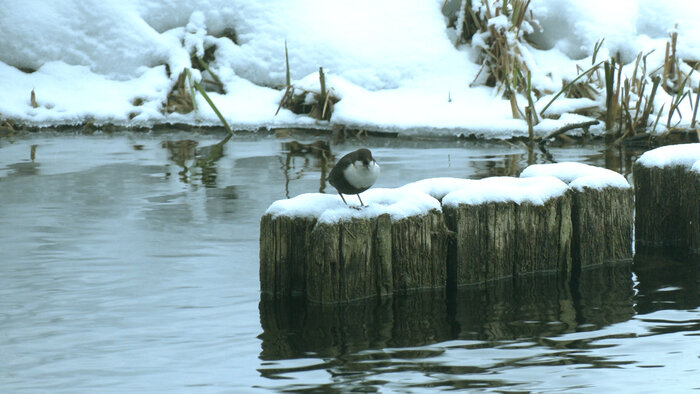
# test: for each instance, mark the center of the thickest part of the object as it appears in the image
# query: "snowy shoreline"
(404, 73)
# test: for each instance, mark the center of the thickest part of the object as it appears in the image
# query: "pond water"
(120, 271)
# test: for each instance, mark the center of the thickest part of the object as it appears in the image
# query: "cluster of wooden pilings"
(445, 232)
(667, 198)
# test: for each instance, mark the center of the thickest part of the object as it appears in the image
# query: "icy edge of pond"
(578, 175)
(685, 155)
(328, 208)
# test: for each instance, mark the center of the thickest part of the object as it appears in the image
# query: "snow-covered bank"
(394, 65)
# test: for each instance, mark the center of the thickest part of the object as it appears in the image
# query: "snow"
(575, 26)
(397, 203)
(439, 187)
(419, 198)
(579, 175)
(535, 190)
(393, 63)
(685, 155)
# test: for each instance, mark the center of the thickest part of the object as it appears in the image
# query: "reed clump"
(315, 104)
(498, 28)
(629, 93)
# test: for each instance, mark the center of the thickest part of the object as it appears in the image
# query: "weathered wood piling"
(340, 254)
(602, 211)
(508, 227)
(667, 194)
(361, 258)
(440, 232)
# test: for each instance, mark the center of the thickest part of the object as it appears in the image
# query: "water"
(120, 272)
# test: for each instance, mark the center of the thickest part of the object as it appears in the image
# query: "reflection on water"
(299, 157)
(461, 340)
(538, 305)
(186, 155)
(667, 281)
(130, 261)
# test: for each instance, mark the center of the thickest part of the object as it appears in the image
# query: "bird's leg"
(361, 203)
(341, 196)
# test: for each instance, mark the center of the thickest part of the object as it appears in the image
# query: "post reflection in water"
(667, 280)
(315, 155)
(529, 307)
(186, 155)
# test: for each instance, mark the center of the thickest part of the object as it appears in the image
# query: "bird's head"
(365, 157)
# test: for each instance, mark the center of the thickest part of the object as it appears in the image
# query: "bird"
(354, 173)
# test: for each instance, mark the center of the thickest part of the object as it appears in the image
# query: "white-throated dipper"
(354, 173)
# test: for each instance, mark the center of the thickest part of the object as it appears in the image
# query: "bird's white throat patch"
(360, 176)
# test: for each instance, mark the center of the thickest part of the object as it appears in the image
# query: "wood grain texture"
(667, 208)
(503, 239)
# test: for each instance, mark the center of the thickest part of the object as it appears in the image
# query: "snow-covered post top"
(439, 187)
(684, 155)
(579, 175)
(329, 208)
(535, 190)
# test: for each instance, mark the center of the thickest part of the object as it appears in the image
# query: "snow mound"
(327, 208)
(439, 187)
(686, 155)
(574, 26)
(536, 190)
(579, 175)
(393, 63)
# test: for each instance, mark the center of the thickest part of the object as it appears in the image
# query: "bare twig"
(572, 126)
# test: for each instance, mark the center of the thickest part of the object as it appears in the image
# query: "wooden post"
(499, 239)
(502, 239)
(362, 258)
(356, 257)
(419, 252)
(603, 223)
(602, 211)
(342, 263)
(283, 242)
(667, 207)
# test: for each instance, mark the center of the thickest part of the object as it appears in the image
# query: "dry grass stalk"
(289, 90)
(215, 81)
(649, 106)
(213, 107)
(670, 78)
(695, 110)
(610, 96)
(32, 100)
